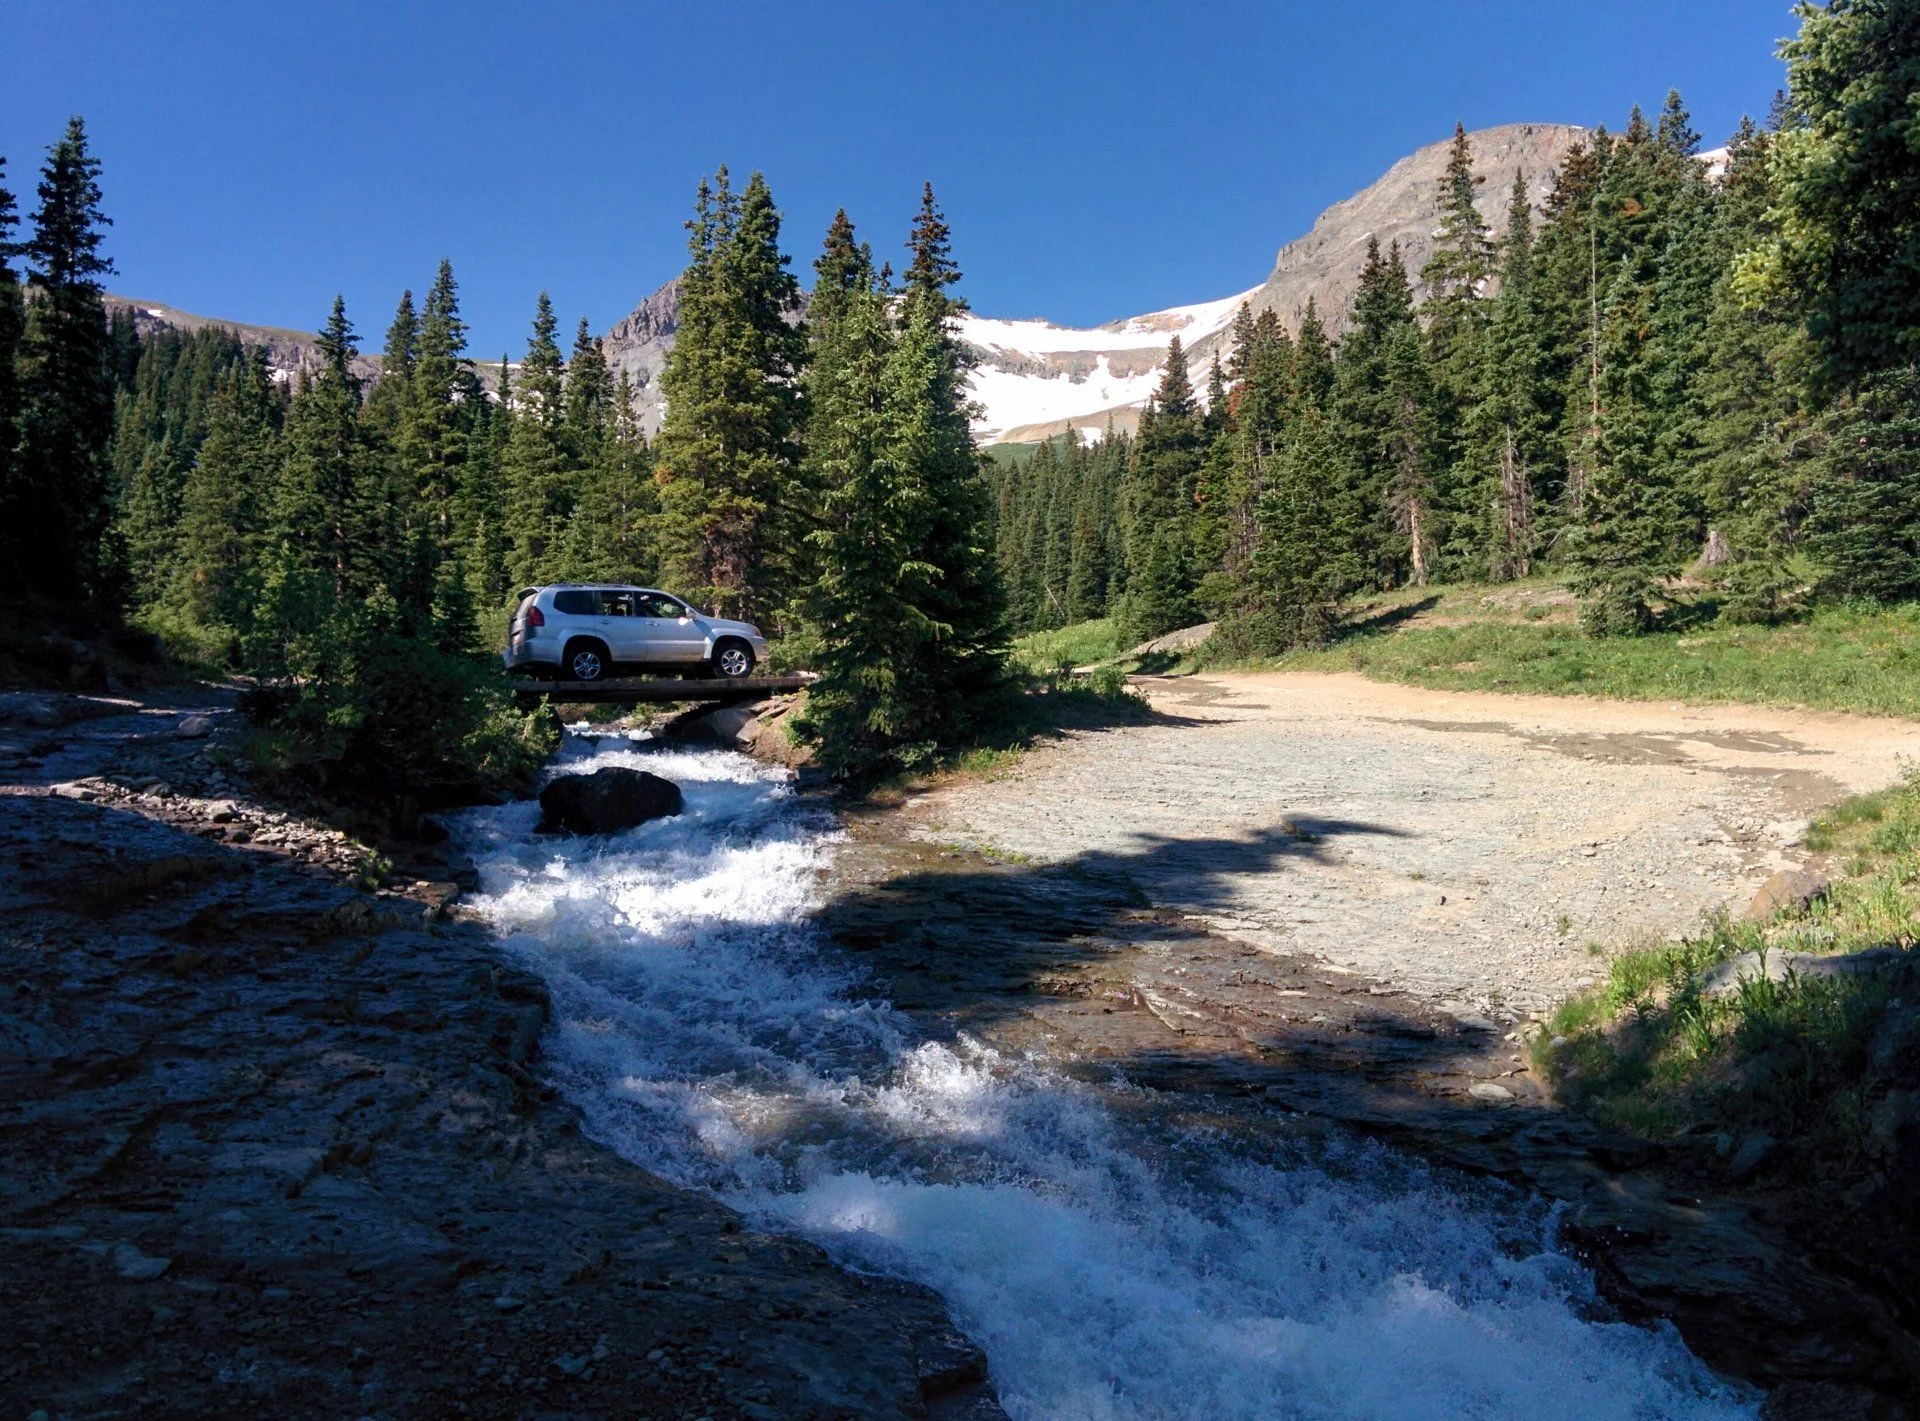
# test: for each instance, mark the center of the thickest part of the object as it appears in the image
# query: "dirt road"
(1469, 848)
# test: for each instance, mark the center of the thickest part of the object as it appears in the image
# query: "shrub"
(387, 723)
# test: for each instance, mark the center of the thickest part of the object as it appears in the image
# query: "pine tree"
(1302, 567)
(589, 411)
(1849, 189)
(1756, 431)
(326, 549)
(1382, 419)
(482, 503)
(616, 502)
(727, 453)
(1567, 284)
(1456, 277)
(1512, 427)
(969, 656)
(215, 575)
(445, 420)
(388, 404)
(13, 316)
(1617, 550)
(867, 605)
(1159, 505)
(1867, 490)
(1412, 441)
(61, 499)
(535, 488)
(1247, 461)
(160, 418)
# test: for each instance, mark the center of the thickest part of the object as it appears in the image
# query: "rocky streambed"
(764, 1108)
(276, 1145)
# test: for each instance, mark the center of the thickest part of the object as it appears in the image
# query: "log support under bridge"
(631, 691)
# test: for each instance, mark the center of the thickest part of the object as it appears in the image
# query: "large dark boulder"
(607, 801)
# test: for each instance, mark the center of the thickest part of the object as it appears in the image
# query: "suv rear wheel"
(732, 660)
(586, 661)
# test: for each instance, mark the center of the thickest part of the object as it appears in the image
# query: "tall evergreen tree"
(1159, 506)
(445, 445)
(215, 575)
(535, 488)
(13, 317)
(1512, 430)
(60, 489)
(1756, 434)
(1849, 189)
(867, 605)
(326, 550)
(1456, 277)
(1383, 420)
(389, 403)
(728, 451)
(1867, 490)
(589, 412)
(967, 600)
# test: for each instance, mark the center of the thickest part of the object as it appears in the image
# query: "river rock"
(607, 801)
(1790, 889)
(1753, 1153)
(1726, 978)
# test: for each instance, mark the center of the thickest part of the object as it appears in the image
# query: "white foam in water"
(1114, 1263)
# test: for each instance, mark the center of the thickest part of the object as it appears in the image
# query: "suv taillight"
(536, 617)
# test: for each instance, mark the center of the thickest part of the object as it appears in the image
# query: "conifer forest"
(1668, 368)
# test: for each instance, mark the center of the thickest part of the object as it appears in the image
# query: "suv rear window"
(577, 602)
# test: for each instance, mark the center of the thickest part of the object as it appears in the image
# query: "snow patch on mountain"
(1032, 374)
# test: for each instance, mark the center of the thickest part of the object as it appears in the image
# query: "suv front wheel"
(586, 661)
(732, 660)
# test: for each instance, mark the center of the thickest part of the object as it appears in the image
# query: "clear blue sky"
(1094, 160)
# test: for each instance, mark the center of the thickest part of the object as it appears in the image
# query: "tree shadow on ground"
(1384, 620)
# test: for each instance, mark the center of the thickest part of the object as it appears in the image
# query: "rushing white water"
(1113, 1257)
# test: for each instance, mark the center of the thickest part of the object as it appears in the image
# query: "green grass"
(1648, 1051)
(1082, 644)
(1838, 659)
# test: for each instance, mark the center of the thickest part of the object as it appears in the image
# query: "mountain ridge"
(1034, 379)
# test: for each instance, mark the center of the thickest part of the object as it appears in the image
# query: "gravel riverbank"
(1464, 847)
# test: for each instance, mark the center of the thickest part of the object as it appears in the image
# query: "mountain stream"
(1115, 1253)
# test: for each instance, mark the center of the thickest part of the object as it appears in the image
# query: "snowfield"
(1014, 396)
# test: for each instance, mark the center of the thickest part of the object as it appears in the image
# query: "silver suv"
(582, 631)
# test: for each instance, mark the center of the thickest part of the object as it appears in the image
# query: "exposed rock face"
(1403, 206)
(638, 344)
(608, 800)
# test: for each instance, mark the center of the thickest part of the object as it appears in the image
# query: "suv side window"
(576, 602)
(656, 604)
(616, 604)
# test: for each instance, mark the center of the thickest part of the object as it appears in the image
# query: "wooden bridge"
(632, 691)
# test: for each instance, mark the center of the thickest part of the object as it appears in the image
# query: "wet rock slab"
(277, 1147)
